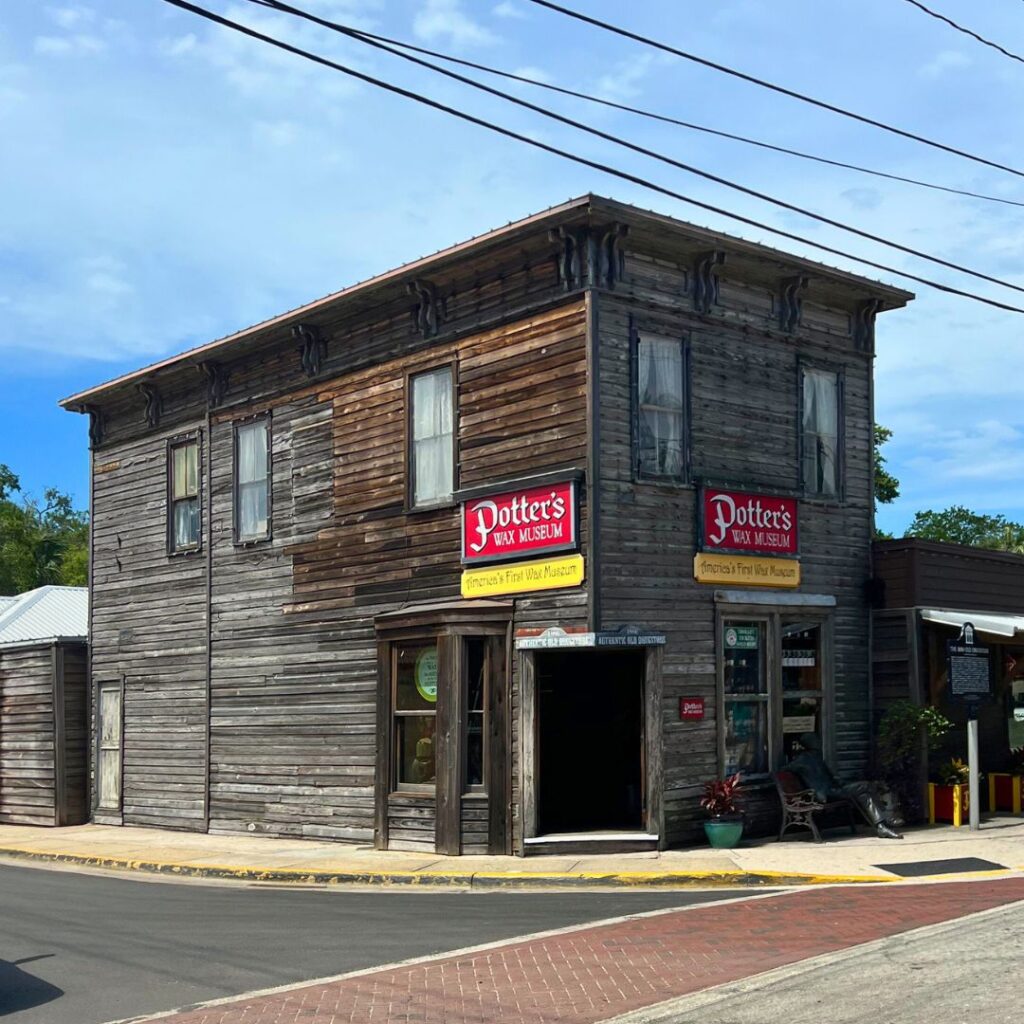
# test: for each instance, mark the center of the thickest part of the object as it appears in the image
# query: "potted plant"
(948, 798)
(1004, 788)
(906, 732)
(721, 801)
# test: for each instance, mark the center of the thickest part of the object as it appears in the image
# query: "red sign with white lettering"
(691, 709)
(521, 523)
(751, 523)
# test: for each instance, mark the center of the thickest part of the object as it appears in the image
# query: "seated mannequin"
(816, 774)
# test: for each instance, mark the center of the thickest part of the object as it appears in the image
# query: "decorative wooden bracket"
(216, 375)
(864, 324)
(430, 311)
(792, 309)
(589, 257)
(705, 280)
(154, 403)
(97, 424)
(314, 347)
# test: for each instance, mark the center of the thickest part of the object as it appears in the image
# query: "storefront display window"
(746, 696)
(774, 685)
(415, 714)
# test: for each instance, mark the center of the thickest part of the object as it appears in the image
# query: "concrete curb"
(462, 879)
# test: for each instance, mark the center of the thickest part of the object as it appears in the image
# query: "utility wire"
(575, 158)
(966, 31)
(357, 34)
(792, 93)
(666, 119)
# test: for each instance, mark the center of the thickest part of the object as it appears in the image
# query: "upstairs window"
(819, 437)
(252, 480)
(183, 507)
(432, 441)
(660, 408)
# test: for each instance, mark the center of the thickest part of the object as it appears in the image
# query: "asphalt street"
(83, 948)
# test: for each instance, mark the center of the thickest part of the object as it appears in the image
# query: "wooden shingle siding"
(27, 764)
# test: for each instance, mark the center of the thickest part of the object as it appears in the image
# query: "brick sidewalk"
(594, 973)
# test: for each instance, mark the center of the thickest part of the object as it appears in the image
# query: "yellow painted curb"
(634, 879)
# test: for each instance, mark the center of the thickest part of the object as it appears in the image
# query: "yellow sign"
(520, 577)
(747, 570)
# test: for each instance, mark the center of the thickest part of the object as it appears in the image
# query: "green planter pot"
(724, 833)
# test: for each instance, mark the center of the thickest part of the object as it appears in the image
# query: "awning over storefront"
(984, 622)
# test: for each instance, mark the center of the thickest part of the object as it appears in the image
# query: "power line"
(346, 30)
(666, 119)
(575, 158)
(966, 31)
(792, 93)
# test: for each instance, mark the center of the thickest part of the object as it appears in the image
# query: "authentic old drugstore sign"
(522, 523)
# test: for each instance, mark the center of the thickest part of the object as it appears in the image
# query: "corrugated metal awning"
(984, 622)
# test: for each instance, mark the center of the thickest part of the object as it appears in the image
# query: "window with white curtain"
(183, 503)
(819, 438)
(660, 408)
(252, 480)
(433, 469)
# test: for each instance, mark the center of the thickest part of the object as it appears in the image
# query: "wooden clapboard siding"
(149, 629)
(744, 407)
(27, 737)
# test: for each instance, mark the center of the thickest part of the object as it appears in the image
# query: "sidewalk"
(798, 861)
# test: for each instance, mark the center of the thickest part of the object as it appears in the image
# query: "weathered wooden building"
(508, 549)
(44, 729)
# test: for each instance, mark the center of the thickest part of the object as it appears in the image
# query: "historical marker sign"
(970, 669)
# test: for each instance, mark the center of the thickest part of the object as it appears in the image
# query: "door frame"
(529, 723)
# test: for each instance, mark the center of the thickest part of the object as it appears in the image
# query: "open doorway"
(590, 740)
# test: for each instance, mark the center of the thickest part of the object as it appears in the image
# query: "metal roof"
(46, 613)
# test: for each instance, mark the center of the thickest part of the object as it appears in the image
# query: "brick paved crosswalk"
(596, 972)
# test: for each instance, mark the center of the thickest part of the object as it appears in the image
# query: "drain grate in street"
(953, 866)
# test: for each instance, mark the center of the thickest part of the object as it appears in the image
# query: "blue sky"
(163, 182)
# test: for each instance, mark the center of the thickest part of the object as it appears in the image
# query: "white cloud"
(445, 19)
(180, 46)
(534, 74)
(623, 81)
(275, 133)
(508, 9)
(70, 17)
(64, 46)
(943, 62)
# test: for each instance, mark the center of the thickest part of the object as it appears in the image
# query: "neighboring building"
(298, 640)
(44, 729)
(926, 592)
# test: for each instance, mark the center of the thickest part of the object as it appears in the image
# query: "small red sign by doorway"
(691, 709)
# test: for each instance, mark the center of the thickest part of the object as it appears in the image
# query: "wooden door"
(108, 768)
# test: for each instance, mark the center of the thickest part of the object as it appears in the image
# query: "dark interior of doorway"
(590, 741)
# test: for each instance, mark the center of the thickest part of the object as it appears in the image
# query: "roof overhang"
(992, 623)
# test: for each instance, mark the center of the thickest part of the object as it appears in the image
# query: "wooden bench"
(800, 806)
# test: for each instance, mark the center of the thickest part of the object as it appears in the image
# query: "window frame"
(773, 617)
(451, 365)
(394, 785)
(173, 444)
(804, 365)
(685, 477)
(483, 787)
(236, 492)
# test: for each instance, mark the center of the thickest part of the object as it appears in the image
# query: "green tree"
(959, 525)
(887, 487)
(40, 543)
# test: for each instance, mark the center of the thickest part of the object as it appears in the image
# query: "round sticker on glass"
(426, 674)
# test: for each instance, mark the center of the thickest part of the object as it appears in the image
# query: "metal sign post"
(969, 670)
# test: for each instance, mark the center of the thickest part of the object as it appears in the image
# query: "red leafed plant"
(721, 796)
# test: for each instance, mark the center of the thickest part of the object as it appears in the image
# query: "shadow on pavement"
(20, 990)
